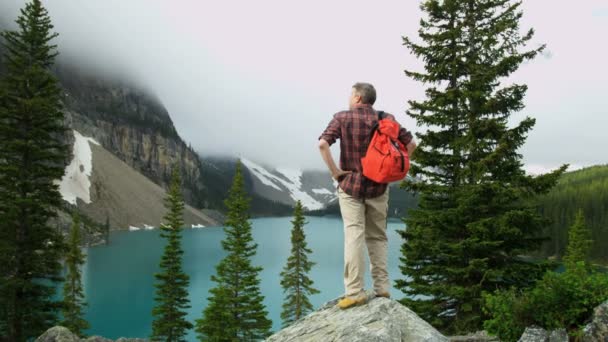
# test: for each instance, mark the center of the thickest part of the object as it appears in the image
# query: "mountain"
(313, 188)
(271, 192)
(133, 125)
(277, 188)
(127, 127)
(103, 187)
(400, 202)
(127, 120)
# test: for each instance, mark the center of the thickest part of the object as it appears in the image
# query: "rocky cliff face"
(132, 125)
(126, 198)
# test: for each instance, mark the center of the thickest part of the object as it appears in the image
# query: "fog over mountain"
(262, 79)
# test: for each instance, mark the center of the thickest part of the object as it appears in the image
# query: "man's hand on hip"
(329, 160)
(339, 173)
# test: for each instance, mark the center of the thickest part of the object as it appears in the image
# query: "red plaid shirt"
(353, 128)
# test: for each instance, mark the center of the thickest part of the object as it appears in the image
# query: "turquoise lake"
(118, 278)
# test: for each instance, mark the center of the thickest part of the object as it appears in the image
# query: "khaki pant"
(364, 222)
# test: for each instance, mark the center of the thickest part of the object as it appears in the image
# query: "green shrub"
(558, 300)
(508, 310)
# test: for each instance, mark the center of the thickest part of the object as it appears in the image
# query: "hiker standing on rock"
(363, 202)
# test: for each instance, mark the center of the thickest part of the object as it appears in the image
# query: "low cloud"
(263, 79)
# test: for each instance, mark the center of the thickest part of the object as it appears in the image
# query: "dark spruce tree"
(170, 322)
(477, 214)
(235, 309)
(73, 296)
(579, 242)
(294, 277)
(32, 156)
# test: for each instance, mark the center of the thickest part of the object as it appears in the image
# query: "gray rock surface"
(63, 334)
(536, 334)
(480, 336)
(58, 334)
(597, 330)
(381, 319)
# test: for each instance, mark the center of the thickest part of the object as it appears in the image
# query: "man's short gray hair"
(366, 91)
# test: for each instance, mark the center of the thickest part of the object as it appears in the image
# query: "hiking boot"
(350, 301)
(383, 294)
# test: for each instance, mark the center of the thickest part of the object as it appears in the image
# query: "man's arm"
(326, 139)
(408, 141)
(329, 160)
(405, 136)
(411, 147)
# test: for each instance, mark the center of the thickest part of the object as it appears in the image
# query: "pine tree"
(579, 242)
(477, 214)
(170, 323)
(32, 156)
(235, 311)
(294, 278)
(73, 296)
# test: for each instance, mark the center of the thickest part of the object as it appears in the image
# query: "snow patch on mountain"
(75, 182)
(284, 179)
(264, 176)
(295, 186)
(322, 191)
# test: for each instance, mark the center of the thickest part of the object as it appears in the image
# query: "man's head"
(362, 93)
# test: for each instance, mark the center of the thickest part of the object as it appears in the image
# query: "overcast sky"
(261, 79)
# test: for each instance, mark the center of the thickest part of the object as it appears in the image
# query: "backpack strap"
(375, 127)
(369, 140)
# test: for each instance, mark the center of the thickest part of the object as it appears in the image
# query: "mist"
(261, 80)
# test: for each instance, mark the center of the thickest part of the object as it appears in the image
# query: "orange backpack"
(386, 159)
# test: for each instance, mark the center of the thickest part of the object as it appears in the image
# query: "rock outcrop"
(480, 336)
(597, 330)
(381, 319)
(63, 334)
(536, 334)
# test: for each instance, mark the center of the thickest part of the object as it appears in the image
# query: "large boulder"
(480, 336)
(63, 334)
(381, 319)
(597, 330)
(58, 334)
(536, 334)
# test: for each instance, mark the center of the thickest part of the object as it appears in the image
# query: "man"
(363, 202)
